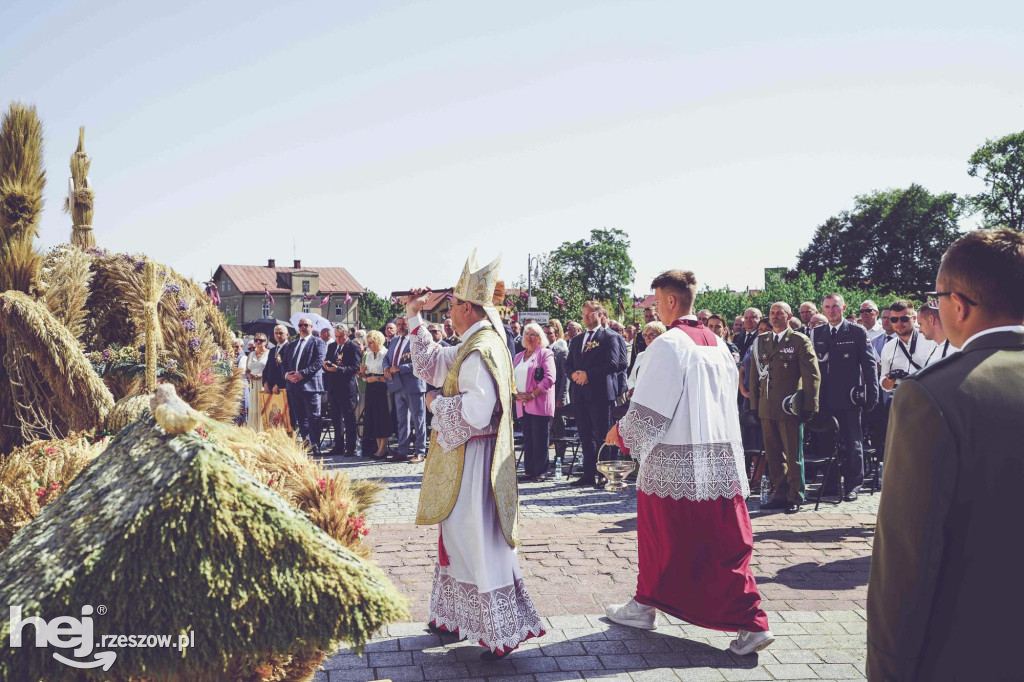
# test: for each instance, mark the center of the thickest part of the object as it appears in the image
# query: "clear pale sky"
(391, 137)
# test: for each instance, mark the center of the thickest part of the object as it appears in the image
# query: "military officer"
(942, 593)
(847, 362)
(784, 365)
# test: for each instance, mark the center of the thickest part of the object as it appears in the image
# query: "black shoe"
(490, 656)
(600, 482)
(850, 496)
(582, 481)
(774, 503)
(792, 508)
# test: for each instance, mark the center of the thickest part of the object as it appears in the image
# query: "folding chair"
(823, 449)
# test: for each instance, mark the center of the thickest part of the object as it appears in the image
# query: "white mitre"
(477, 285)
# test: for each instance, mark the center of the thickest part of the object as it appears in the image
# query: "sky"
(390, 138)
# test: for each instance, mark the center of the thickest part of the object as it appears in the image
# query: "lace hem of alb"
(501, 619)
(451, 428)
(641, 429)
(697, 472)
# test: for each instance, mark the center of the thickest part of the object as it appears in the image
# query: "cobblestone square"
(579, 555)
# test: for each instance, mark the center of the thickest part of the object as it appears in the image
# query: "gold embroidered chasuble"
(442, 474)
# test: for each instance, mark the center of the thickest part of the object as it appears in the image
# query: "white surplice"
(480, 593)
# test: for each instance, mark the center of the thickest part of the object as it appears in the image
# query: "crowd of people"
(688, 396)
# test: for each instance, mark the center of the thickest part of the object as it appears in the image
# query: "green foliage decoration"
(172, 535)
(376, 311)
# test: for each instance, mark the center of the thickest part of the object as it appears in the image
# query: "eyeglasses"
(904, 318)
(260, 340)
(864, 311)
(936, 294)
(303, 324)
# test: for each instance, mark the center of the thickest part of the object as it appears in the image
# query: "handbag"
(538, 373)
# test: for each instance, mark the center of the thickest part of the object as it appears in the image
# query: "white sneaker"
(633, 614)
(749, 642)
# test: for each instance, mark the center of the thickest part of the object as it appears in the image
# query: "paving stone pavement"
(578, 555)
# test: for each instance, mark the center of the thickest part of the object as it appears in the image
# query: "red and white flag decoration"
(326, 301)
(348, 298)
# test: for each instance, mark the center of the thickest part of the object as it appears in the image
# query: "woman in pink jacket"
(534, 372)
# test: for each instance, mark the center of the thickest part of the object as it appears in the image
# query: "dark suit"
(561, 397)
(639, 346)
(846, 361)
(510, 341)
(407, 390)
(592, 403)
(306, 358)
(942, 593)
(343, 392)
(273, 375)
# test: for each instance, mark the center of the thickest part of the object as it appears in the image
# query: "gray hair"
(534, 327)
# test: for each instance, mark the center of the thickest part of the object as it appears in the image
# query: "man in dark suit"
(942, 592)
(340, 367)
(273, 374)
(847, 361)
(408, 392)
(745, 339)
(303, 361)
(594, 360)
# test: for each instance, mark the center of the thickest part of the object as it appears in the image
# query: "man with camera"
(906, 353)
(849, 382)
(784, 392)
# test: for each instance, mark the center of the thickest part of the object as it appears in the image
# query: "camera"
(898, 374)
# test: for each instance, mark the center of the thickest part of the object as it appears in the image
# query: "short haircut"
(810, 303)
(655, 326)
(871, 304)
(682, 283)
(902, 304)
(988, 267)
(557, 326)
(838, 297)
(756, 311)
(282, 328)
(716, 316)
(340, 328)
(929, 312)
(534, 327)
(784, 306)
(794, 323)
(375, 336)
(593, 305)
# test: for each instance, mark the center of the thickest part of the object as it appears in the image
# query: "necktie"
(778, 338)
(834, 331)
(398, 351)
(298, 354)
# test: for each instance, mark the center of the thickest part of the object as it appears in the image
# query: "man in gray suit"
(942, 593)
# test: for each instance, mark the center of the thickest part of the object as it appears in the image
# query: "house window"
(229, 285)
(339, 310)
(236, 311)
(266, 308)
(305, 306)
(305, 287)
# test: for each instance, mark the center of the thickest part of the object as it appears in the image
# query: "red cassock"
(693, 530)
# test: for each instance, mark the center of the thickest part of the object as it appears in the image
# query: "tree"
(892, 240)
(1000, 165)
(601, 266)
(376, 311)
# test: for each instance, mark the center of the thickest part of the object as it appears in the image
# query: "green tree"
(599, 267)
(376, 311)
(794, 291)
(892, 240)
(1000, 165)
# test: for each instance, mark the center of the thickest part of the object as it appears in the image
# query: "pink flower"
(54, 485)
(41, 493)
(270, 482)
(51, 450)
(322, 482)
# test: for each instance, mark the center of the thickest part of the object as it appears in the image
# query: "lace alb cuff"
(424, 354)
(641, 429)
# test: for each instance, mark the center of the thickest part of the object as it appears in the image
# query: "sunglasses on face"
(904, 318)
(260, 340)
(302, 324)
(867, 311)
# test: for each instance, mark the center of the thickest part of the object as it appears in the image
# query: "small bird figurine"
(172, 413)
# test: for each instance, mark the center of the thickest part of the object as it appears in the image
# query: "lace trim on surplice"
(501, 618)
(697, 472)
(451, 428)
(641, 429)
